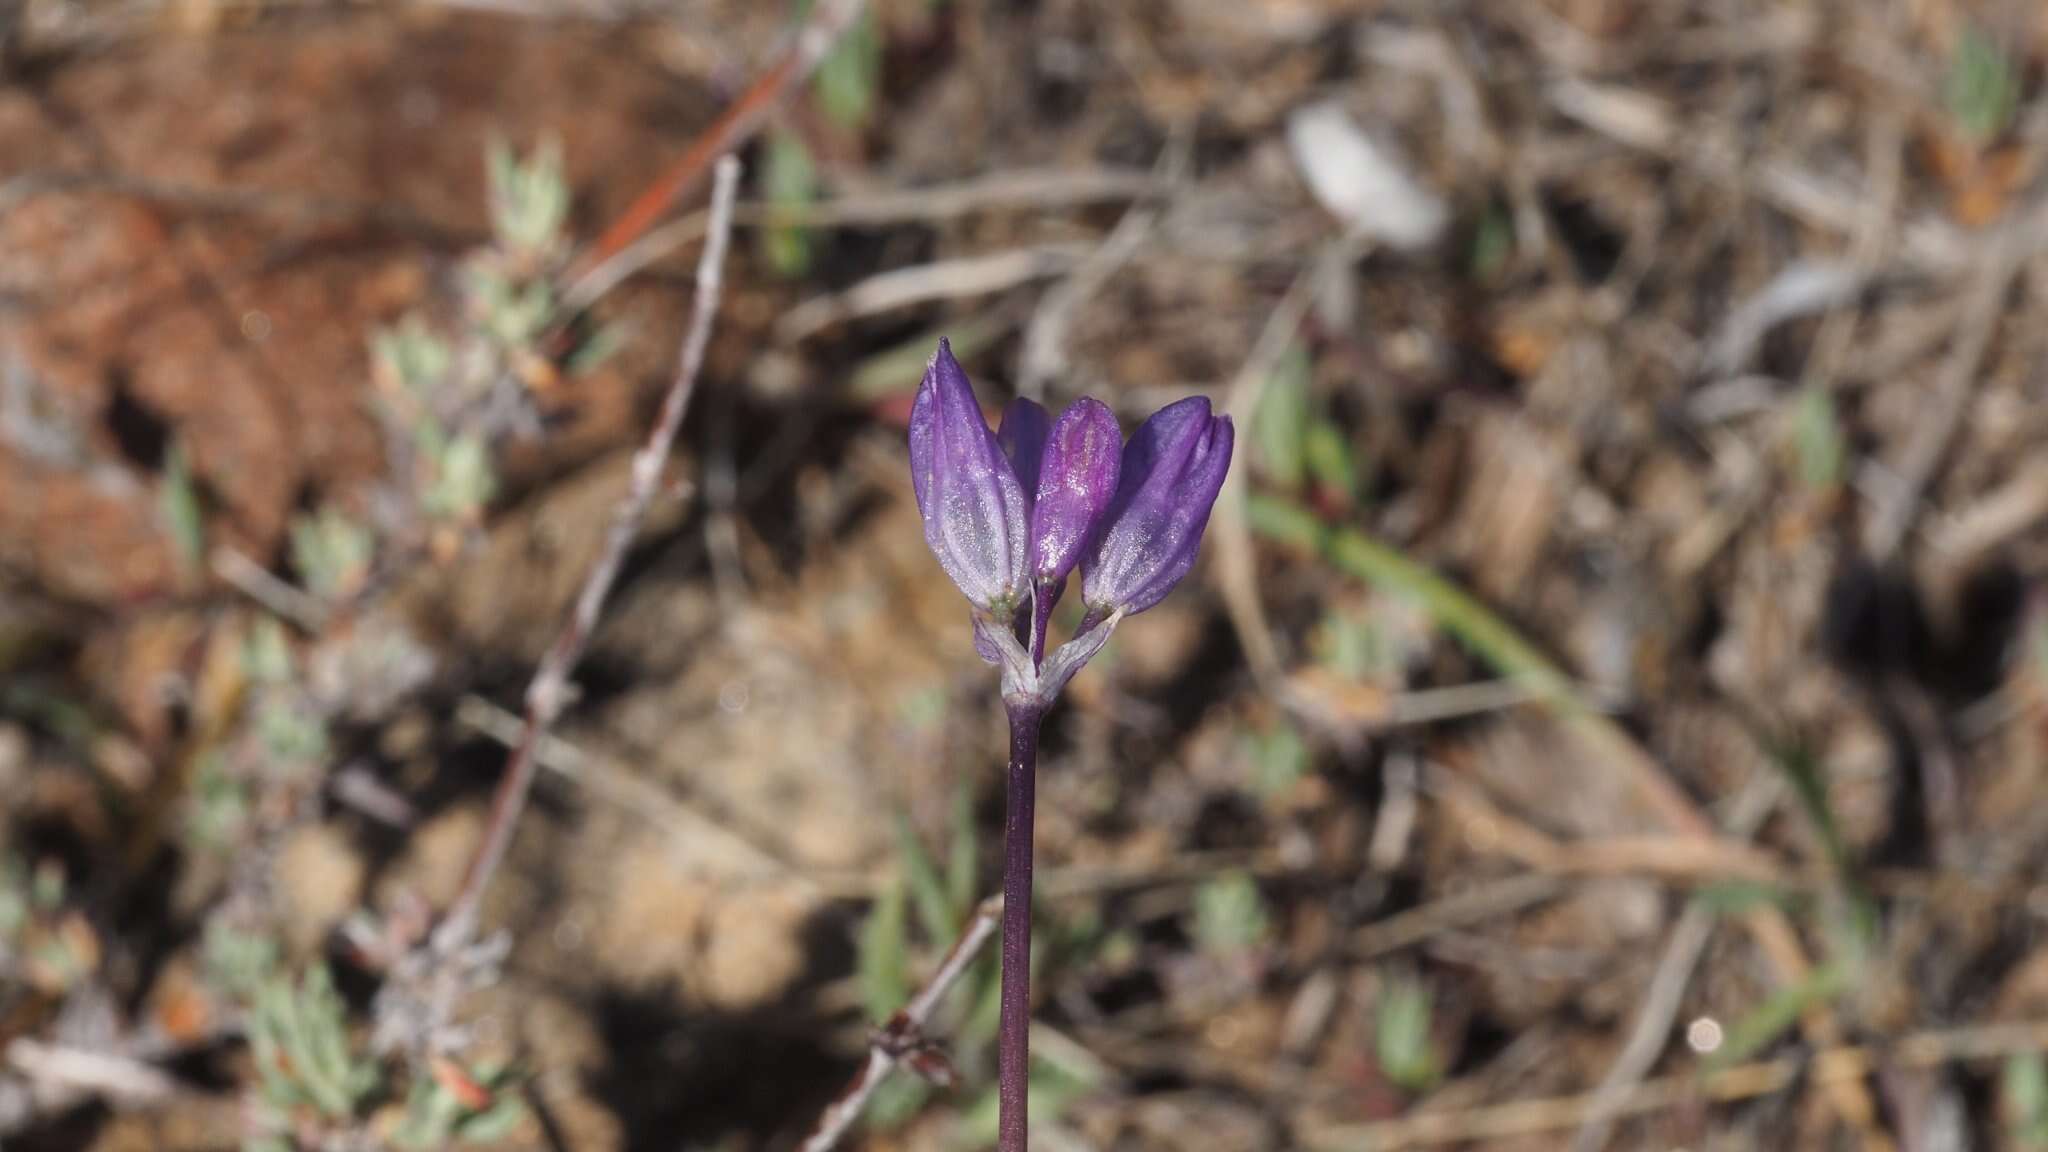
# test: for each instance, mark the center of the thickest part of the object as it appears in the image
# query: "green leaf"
(963, 863)
(1810, 786)
(1777, 1015)
(1053, 1089)
(331, 552)
(1402, 1034)
(430, 1115)
(1281, 423)
(1820, 446)
(464, 479)
(412, 357)
(1327, 455)
(1286, 522)
(898, 369)
(935, 912)
(1230, 915)
(494, 1123)
(183, 517)
(267, 653)
(1982, 87)
(1280, 758)
(1493, 243)
(299, 1035)
(985, 1013)
(217, 810)
(884, 954)
(898, 1099)
(2024, 1083)
(593, 350)
(1349, 643)
(14, 897)
(530, 200)
(790, 180)
(239, 962)
(849, 75)
(1734, 897)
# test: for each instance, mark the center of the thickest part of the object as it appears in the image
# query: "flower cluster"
(1010, 513)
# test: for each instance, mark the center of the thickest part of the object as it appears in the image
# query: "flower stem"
(1013, 1044)
(1041, 618)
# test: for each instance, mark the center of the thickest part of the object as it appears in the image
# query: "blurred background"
(1607, 715)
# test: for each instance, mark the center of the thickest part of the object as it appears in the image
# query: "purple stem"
(1041, 619)
(1013, 1042)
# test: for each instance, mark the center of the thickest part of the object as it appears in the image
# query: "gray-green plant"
(1403, 1034)
(1230, 915)
(436, 1116)
(331, 551)
(298, 1034)
(1982, 86)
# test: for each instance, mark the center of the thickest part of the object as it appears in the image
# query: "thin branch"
(549, 691)
(902, 1035)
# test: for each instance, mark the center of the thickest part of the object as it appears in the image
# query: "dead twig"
(1703, 859)
(940, 280)
(902, 1037)
(1044, 355)
(279, 597)
(1900, 501)
(549, 691)
(1407, 929)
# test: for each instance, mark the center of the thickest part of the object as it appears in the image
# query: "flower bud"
(976, 513)
(1076, 482)
(1172, 470)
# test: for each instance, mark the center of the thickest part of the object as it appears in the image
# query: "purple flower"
(1172, 470)
(1009, 514)
(976, 512)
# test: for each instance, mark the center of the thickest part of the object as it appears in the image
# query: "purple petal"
(1076, 484)
(975, 512)
(1172, 471)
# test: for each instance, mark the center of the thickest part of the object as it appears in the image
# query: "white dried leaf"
(1361, 181)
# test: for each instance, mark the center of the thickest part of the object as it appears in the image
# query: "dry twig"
(549, 691)
(902, 1036)
(940, 280)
